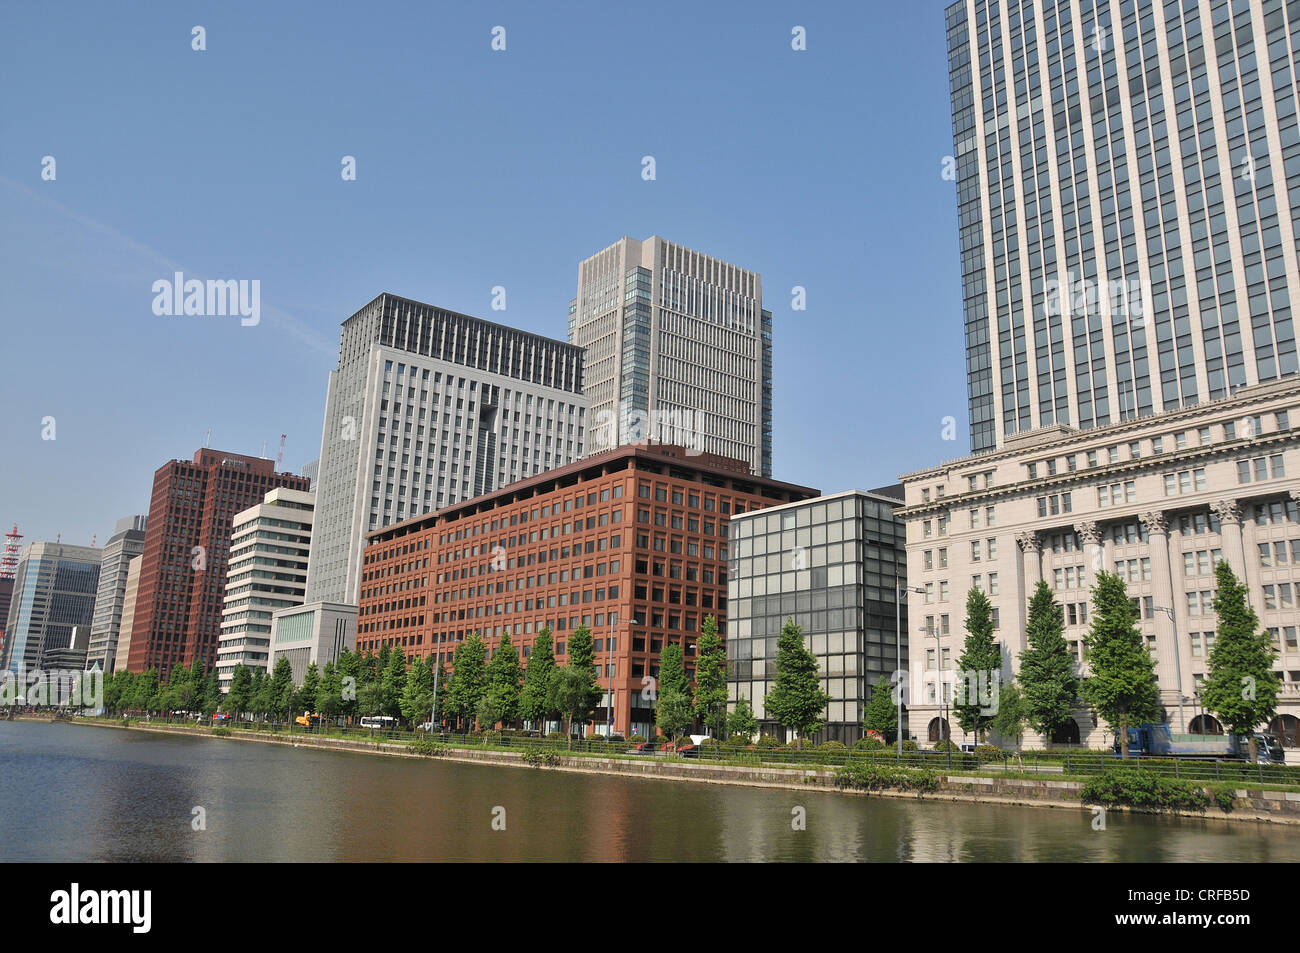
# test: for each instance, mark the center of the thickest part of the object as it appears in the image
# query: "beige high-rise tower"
(678, 350)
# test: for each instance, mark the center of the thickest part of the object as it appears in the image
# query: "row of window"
(1247, 427)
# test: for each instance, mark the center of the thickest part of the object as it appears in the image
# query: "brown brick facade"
(186, 550)
(632, 543)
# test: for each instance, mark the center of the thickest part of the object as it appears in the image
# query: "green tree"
(534, 704)
(259, 694)
(673, 712)
(329, 694)
(349, 674)
(1049, 686)
(574, 691)
(711, 677)
(280, 690)
(570, 694)
(1241, 687)
(882, 711)
(741, 721)
(468, 680)
(304, 699)
(979, 668)
(391, 683)
(181, 691)
(417, 694)
(1012, 716)
(796, 699)
(1121, 684)
(144, 690)
(503, 675)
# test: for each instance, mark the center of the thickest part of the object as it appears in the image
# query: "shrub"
(126, 722)
(1139, 788)
(870, 776)
(539, 758)
(767, 741)
(555, 736)
(1225, 798)
(636, 740)
(946, 744)
(909, 745)
(990, 753)
(426, 747)
(869, 743)
(491, 737)
(829, 752)
(737, 741)
(221, 732)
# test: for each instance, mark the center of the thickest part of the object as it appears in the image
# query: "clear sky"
(474, 168)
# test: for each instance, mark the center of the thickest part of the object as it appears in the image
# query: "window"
(975, 551)
(1260, 468)
(993, 584)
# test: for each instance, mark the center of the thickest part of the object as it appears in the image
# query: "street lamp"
(1178, 665)
(898, 654)
(609, 675)
(945, 733)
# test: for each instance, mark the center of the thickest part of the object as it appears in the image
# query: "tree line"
(1240, 688)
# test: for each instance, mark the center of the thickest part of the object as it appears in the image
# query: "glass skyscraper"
(678, 351)
(1127, 175)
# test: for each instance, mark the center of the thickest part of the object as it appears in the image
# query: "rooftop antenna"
(9, 558)
(207, 441)
(93, 537)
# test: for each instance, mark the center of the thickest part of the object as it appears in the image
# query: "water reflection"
(77, 793)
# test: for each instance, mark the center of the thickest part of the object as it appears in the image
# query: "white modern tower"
(679, 350)
(267, 571)
(428, 408)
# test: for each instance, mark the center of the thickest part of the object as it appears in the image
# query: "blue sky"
(475, 168)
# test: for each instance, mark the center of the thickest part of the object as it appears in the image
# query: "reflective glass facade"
(1127, 174)
(829, 563)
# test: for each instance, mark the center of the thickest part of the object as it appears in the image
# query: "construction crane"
(279, 457)
(9, 559)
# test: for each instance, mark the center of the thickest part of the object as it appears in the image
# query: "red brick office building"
(631, 542)
(186, 551)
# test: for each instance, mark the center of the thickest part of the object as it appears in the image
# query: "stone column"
(1228, 513)
(1094, 547)
(1168, 650)
(1031, 571)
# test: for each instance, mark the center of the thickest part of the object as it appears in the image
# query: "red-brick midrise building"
(186, 549)
(631, 542)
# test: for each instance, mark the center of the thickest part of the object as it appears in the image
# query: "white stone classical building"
(1158, 499)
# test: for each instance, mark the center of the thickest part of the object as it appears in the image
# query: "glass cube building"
(831, 564)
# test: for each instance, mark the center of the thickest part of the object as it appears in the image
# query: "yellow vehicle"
(309, 721)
